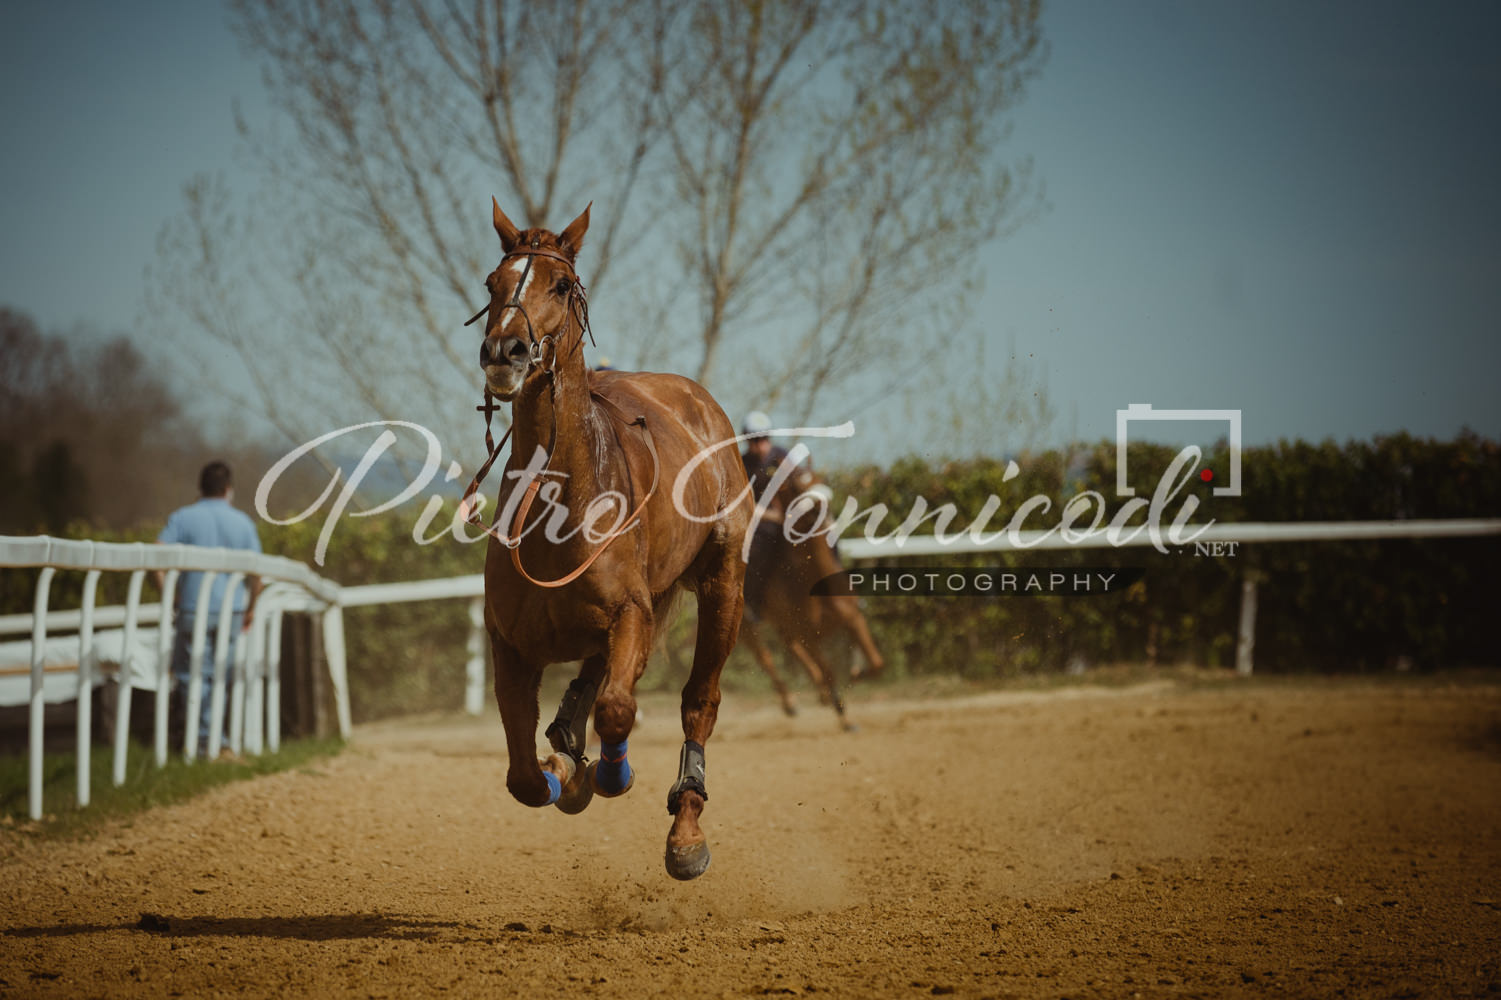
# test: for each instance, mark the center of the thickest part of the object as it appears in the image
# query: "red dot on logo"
(1207, 475)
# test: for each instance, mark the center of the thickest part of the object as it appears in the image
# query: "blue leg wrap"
(554, 787)
(612, 775)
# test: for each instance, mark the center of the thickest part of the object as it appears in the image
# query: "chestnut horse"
(785, 564)
(560, 589)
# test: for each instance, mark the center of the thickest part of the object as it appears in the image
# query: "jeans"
(182, 656)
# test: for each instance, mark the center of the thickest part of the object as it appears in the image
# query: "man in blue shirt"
(214, 523)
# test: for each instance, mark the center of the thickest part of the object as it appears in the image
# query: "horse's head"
(536, 303)
(799, 500)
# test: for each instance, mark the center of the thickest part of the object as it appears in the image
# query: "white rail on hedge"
(437, 589)
(1251, 533)
(290, 586)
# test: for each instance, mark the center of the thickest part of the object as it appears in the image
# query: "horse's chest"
(545, 627)
(543, 624)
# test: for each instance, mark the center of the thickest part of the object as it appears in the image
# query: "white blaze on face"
(518, 267)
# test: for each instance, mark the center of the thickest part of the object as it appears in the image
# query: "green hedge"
(1328, 606)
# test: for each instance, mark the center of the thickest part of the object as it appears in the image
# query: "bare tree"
(822, 171)
(839, 160)
(88, 431)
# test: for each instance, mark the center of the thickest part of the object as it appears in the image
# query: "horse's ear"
(572, 238)
(509, 234)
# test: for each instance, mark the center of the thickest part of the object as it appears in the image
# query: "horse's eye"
(562, 287)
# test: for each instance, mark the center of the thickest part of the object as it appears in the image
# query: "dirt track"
(1242, 840)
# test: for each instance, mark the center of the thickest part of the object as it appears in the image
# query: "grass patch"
(146, 785)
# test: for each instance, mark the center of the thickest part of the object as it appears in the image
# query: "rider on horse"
(785, 562)
(762, 459)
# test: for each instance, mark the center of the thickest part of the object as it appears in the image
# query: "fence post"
(124, 688)
(84, 736)
(1245, 644)
(195, 667)
(273, 681)
(38, 696)
(338, 672)
(223, 637)
(474, 690)
(166, 637)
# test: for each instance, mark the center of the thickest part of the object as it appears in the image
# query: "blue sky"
(1289, 209)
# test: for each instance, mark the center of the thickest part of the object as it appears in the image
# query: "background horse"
(782, 573)
(590, 577)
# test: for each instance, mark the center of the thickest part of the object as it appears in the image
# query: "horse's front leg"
(615, 709)
(517, 683)
(568, 733)
(752, 636)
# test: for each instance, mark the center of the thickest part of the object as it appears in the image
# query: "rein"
(578, 309)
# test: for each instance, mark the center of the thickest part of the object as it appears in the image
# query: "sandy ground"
(1236, 840)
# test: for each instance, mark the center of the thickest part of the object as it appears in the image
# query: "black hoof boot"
(567, 734)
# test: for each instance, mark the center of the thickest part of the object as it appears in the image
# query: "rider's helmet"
(757, 425)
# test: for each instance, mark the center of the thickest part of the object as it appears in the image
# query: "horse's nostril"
(512, 350)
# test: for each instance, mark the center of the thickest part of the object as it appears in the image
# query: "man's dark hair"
(214, 480)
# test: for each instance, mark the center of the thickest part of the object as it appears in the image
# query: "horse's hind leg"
(848, 613)
(615, 710)
(720, 605)
(823, 675)
(517, 683)
(758, 649)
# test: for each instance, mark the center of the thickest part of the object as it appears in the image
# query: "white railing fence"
(292, 586)
(254, 699)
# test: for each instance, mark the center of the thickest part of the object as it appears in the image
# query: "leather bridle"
(577, 310)
(578, 304)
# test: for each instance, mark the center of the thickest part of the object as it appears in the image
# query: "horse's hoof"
(849, 727)
(689, 861)
(578, 793)
(593, 782)
(789, 709)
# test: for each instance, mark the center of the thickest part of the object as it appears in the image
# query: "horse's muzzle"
(503, 350)
(505, 361)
